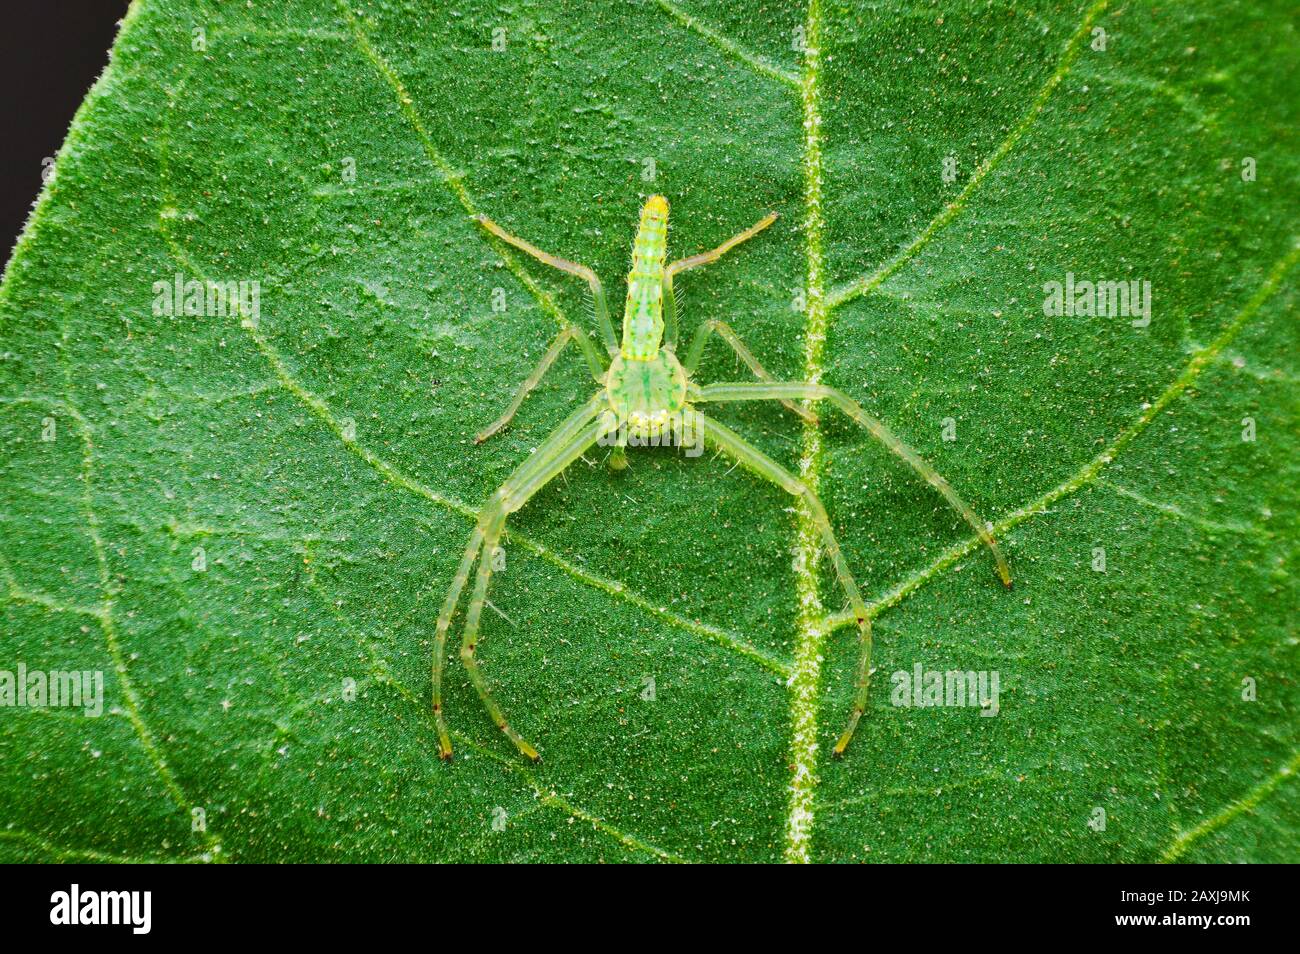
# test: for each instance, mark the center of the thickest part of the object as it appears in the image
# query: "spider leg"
(568, 334)
(469, 639)
(705, 258)
(740, 450)
(573, 268)
(695, 261)
(444, 623)
(786, 390)
(618, 456)
(565, 445)
(725, 332)
(669, 299)
(862, 687)
(812, 392)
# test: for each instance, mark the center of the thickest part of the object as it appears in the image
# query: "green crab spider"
(647, 396)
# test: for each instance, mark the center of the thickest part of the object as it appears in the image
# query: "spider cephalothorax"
(646, 397)
(646, 393)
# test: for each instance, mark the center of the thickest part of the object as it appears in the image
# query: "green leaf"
(320, 459)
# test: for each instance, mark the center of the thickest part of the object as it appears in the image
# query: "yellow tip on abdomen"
(656, 205)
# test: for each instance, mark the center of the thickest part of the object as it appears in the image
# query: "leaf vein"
(755, 62)
(61, 853)
(811, 621)
(453, 178)
(399, 478)
(866, 283)
(1248, 802)
(108, 626)
(383, 676)
(1089, 472)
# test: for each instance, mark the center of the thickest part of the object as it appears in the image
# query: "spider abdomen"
(643, 315)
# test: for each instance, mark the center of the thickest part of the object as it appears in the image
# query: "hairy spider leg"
(570, 425)
(744, 391)
(861, 690)
(725, 332)
(715, 325)
(440, 634)
(759, 390)
(746, 454)
(569, 441)
(603, 322)
(566, 335)
(695, 261)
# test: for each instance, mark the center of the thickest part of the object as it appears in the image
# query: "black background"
(918, 909)
(51, 53)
